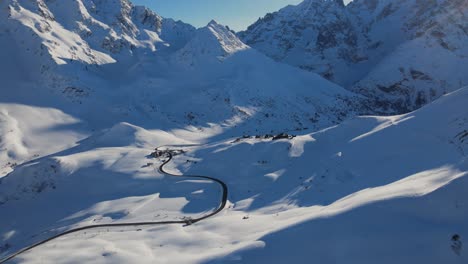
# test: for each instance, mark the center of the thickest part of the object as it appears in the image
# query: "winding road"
(221, 206)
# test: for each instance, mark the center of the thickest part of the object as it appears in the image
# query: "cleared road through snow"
(185, 222)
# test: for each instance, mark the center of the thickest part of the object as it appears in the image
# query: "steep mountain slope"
(427, 62)
(393, 185)
(116, 27)
(403, 54)
(48, 34)
(316, 35)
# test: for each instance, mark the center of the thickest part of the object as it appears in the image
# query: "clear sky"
(237, 14)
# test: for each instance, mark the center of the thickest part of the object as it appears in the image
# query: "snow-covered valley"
(91, 87)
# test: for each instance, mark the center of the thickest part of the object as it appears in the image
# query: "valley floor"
(370, 190)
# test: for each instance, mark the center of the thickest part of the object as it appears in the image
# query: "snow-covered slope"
(393, 185)
(27, 132)
(403, 54)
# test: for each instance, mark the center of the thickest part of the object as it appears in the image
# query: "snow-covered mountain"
(113, 27)
(106, 62)
(402, 54)
(211, 43)
(316, 35)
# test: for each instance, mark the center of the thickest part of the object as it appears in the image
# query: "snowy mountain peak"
(213, 23)
(229, 42)
(215, 42)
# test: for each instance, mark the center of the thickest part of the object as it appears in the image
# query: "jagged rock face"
(315, 35)
(212, 43)
(401, 53)
(424, 53)
(54, 44)
(114, 27)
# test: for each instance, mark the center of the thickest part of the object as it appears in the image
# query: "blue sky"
(237, 14)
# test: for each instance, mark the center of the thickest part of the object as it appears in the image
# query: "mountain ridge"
(374, 47)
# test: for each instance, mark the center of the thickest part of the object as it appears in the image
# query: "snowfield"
(90, 88)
